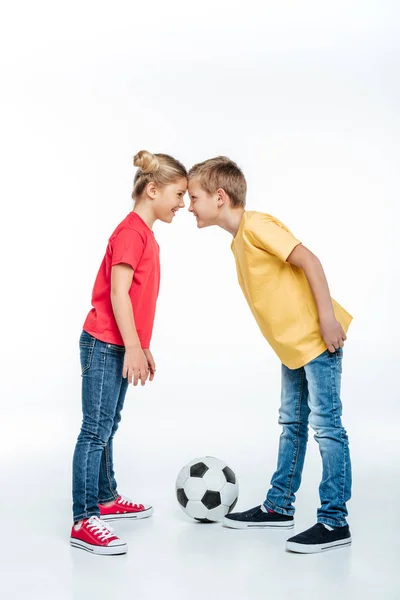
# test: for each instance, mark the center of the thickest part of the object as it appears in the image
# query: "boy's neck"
(230, 221)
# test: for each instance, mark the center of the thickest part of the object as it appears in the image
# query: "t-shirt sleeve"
(127, 248)
(273, 238)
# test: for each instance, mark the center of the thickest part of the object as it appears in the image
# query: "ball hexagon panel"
(214, 463)
(182, 477)
(195, 488)
(214, 479)
(196, 510)
(229, 493)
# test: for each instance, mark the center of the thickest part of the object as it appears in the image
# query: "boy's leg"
(293, 416)
(324, 380)
(101, 382)
(107, 482)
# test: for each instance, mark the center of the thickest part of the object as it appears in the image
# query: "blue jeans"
(103, 395)
(311, 395)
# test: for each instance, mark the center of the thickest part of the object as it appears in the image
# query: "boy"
(286, 289)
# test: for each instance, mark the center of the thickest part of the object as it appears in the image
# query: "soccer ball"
(207, 489)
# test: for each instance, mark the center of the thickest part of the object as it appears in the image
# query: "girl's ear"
(151, 190)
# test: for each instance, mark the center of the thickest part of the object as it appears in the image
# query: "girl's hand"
(135, 365)
(151, 363)
(333, 334)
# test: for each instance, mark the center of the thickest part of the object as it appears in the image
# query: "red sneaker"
(96, 536)
(123, 508)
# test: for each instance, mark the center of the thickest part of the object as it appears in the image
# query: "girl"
(115, 349)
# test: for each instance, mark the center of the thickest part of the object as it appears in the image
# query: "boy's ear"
(222, 197)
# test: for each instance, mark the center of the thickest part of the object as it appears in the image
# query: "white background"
(304, 96)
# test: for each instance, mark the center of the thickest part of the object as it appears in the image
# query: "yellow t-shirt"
(277, 292)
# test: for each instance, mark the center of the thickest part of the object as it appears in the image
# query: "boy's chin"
(201, 224)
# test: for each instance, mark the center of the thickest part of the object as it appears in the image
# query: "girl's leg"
(107, 482)
(101, 383)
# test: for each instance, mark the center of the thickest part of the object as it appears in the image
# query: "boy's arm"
(331, 330)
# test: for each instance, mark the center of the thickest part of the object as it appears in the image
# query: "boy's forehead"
(194, 185)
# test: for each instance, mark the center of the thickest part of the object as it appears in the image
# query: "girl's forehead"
(179, 184)
(183, 184)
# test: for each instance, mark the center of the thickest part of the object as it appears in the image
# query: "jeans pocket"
(86, 353)
(336, 356)
(115, 348)
(339, 358)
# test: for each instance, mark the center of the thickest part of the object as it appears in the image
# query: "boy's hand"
(151, 364)
(135, 365)
(333, 334)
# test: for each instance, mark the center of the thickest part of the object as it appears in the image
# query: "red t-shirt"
(133, 243)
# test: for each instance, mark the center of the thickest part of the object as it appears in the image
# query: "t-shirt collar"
(144, 223)
(240, 227)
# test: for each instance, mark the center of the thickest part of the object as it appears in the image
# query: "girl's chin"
(166, 218)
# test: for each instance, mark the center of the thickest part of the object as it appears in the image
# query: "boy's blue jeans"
(311, 395)
(103, 395)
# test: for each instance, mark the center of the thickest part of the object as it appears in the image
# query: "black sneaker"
(319, 539)
(255, 517)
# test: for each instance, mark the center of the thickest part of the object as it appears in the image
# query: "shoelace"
(100, 528)
(125, 501)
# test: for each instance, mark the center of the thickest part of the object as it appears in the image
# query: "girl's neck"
(145, 212)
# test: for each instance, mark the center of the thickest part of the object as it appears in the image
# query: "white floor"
(171, 557)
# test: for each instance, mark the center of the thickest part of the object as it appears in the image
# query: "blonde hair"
(221, 172)
(162, 169)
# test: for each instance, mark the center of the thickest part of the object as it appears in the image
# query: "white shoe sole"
(312, 549)
(143, 514)
(248, 525)
(121, 548)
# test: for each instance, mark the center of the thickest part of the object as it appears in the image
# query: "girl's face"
(169, 199)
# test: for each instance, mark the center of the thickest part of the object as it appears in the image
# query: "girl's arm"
(331, 330)
(135, 362)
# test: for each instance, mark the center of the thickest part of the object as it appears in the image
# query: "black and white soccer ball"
(207, 489)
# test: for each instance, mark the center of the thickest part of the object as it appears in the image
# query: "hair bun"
(146, 161)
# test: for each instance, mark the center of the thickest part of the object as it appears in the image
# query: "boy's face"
(203, 206)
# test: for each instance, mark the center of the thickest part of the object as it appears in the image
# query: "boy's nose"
(190, 209)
